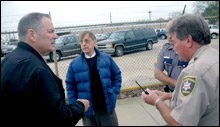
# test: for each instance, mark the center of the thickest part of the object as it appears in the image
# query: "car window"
(148, 32)
(106, 35)
(138, 33)
(102, 36)
(98, 35)
(130, 34)
(72, 39)
(13, 43)
(215, 27)
(118, 35)
(60, 40)
(163, 30)
(67, 39)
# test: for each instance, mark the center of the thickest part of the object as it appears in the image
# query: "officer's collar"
(171, 47)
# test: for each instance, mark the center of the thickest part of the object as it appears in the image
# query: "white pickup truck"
(214, 31)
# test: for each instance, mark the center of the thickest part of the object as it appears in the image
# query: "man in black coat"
(31, 94)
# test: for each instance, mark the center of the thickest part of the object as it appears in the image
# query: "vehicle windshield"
(105, 35)
(102, 35)
(215, 27)
(117, 35)
(60, 40)
(13, 43)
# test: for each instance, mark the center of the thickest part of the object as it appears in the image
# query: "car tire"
(149, 45)
(163, 37)
(58, 56)
(214, 36)
(119, 51)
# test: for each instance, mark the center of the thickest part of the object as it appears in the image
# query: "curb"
(131, 88)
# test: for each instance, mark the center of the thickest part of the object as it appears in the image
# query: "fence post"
(55, 62)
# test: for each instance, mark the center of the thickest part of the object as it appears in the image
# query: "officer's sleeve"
(191, 101)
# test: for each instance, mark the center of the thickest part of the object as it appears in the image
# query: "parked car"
(161, 33)
(66, 45)
(214, 31)
(121, 42)
(101, 37)
(3, 50)
(7, 48)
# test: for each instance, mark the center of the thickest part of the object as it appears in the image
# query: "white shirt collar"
(86, 56)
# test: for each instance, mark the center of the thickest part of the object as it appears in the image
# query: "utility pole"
(55, 55)
(149, 15)
(110, 18)
(184, 9)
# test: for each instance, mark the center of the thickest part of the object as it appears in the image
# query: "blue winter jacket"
(78, 80)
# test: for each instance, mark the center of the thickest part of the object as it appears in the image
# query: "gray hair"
(194, 25)
(30, 21)
(92, 35)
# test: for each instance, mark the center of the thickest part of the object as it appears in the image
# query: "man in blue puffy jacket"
(94, 76)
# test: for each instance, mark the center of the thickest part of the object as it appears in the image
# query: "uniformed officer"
(195, 100)
(168, 60)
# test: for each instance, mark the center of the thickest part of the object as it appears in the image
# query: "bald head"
(169, 24)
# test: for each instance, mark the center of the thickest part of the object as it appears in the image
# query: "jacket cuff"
(82, 105)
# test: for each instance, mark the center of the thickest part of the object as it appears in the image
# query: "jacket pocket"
(111, 97)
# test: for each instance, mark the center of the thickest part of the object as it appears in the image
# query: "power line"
(146, 7)
(149, 15)
(140, 15)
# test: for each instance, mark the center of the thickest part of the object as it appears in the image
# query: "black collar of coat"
(28, 48)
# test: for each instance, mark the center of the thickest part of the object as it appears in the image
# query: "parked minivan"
(66, 45)
(124, 41)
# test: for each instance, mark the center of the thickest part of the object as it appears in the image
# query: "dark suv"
(66, 45)
(121, 42)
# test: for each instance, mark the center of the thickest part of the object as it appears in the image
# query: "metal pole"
(149, 15)
(110, 18)
(184, 9)
(55, 56)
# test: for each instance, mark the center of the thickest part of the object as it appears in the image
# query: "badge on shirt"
(188, 85)
(182, 64)
(167, 60)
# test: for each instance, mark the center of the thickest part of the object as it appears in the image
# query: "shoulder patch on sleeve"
(155, 61)
(188, 85)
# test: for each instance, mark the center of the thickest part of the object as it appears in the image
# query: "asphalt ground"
(135, 112)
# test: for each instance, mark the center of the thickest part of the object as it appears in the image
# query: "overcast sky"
(69, 13)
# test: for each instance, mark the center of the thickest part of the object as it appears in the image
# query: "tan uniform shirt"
(195, 100)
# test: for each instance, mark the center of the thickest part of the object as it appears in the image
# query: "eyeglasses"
(86, 41)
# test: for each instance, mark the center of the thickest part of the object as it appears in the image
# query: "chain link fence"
(138, 65)
(134, 66)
